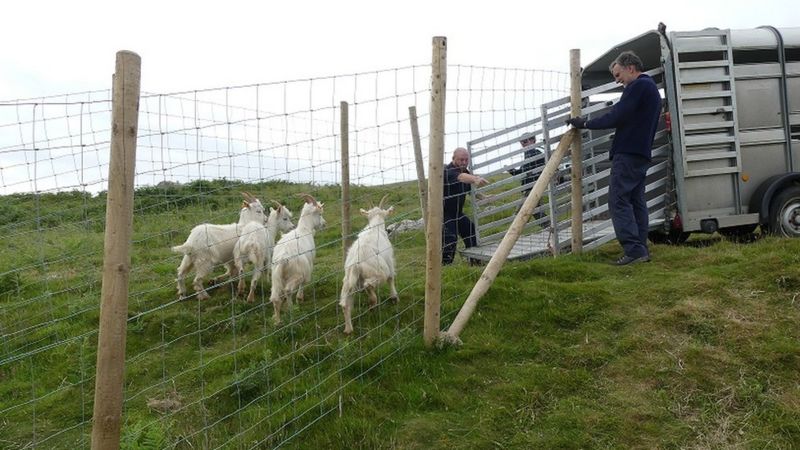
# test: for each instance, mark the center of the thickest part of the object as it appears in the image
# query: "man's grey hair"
(628, 59)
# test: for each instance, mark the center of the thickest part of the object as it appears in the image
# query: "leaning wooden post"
(423, 199)
(577, 153)
(110, 372)
(345, 137)
(433, 233)
(514, 231)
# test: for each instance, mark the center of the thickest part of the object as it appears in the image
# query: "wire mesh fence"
(217, 372)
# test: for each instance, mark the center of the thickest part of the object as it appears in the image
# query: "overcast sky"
(56, 47)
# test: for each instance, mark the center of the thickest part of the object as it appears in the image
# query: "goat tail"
(350, 283)
(277, 275)
(183, 248)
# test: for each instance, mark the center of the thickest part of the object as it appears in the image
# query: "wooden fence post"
(345, 138)
(433, 233)
(110, 372)
(577, 153)
(421, 185)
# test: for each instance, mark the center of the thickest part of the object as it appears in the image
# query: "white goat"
(209, 245)
(369, 263)
(256, 243)
(293, 257)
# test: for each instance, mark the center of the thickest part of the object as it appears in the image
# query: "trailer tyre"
(784, 213)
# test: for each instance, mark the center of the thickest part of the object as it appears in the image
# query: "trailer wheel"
(784, 213)
(674, 237)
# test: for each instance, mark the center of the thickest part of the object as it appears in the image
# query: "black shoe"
(626, 260)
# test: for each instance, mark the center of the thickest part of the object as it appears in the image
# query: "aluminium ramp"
(540, 243)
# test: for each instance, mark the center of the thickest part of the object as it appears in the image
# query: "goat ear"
(390, 210)
(363, 212)
(272, 210)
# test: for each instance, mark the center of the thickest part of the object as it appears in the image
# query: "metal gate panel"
(550, 230)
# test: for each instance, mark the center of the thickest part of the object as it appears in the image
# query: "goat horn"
(308, 198)
(380, 205)
(277, 204)
(247, 196)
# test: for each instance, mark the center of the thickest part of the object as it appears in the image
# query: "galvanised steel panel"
(759, 162)
(763, 103)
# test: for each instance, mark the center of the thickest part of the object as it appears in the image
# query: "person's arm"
(472, 179)
(478, 181)
(623, 111)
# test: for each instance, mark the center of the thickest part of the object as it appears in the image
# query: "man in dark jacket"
(535, 159)
(457, 183)
(635, 118)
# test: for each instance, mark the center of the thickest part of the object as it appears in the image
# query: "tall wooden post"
(345, 137)
(110, 373)
(577, 153)
(433, 233)
(421, 185)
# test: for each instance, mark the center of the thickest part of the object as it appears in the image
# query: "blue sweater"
(635, 117)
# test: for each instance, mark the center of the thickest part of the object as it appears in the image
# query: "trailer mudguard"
(762, 197)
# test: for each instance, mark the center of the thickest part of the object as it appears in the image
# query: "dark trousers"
(452, 228)
(627, 203)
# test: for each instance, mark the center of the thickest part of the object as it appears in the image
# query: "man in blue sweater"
(635, 118)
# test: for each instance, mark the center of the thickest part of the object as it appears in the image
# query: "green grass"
(699, 348)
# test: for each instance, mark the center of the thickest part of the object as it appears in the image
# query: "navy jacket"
(635, 117)
(528, 167)
(455, 192)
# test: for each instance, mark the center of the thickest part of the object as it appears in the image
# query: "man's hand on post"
(577, 122)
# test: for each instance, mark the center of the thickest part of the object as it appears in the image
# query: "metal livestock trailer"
(725, 158)
(733, 103)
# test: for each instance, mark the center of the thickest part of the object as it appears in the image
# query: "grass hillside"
(699, 348)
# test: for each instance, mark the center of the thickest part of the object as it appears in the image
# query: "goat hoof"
(394, 299)
(251, 298)
(203, 296)
(348, 332)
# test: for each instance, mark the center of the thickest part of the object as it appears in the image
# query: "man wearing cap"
(635, 118)
(457, 183)
(534, 159)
